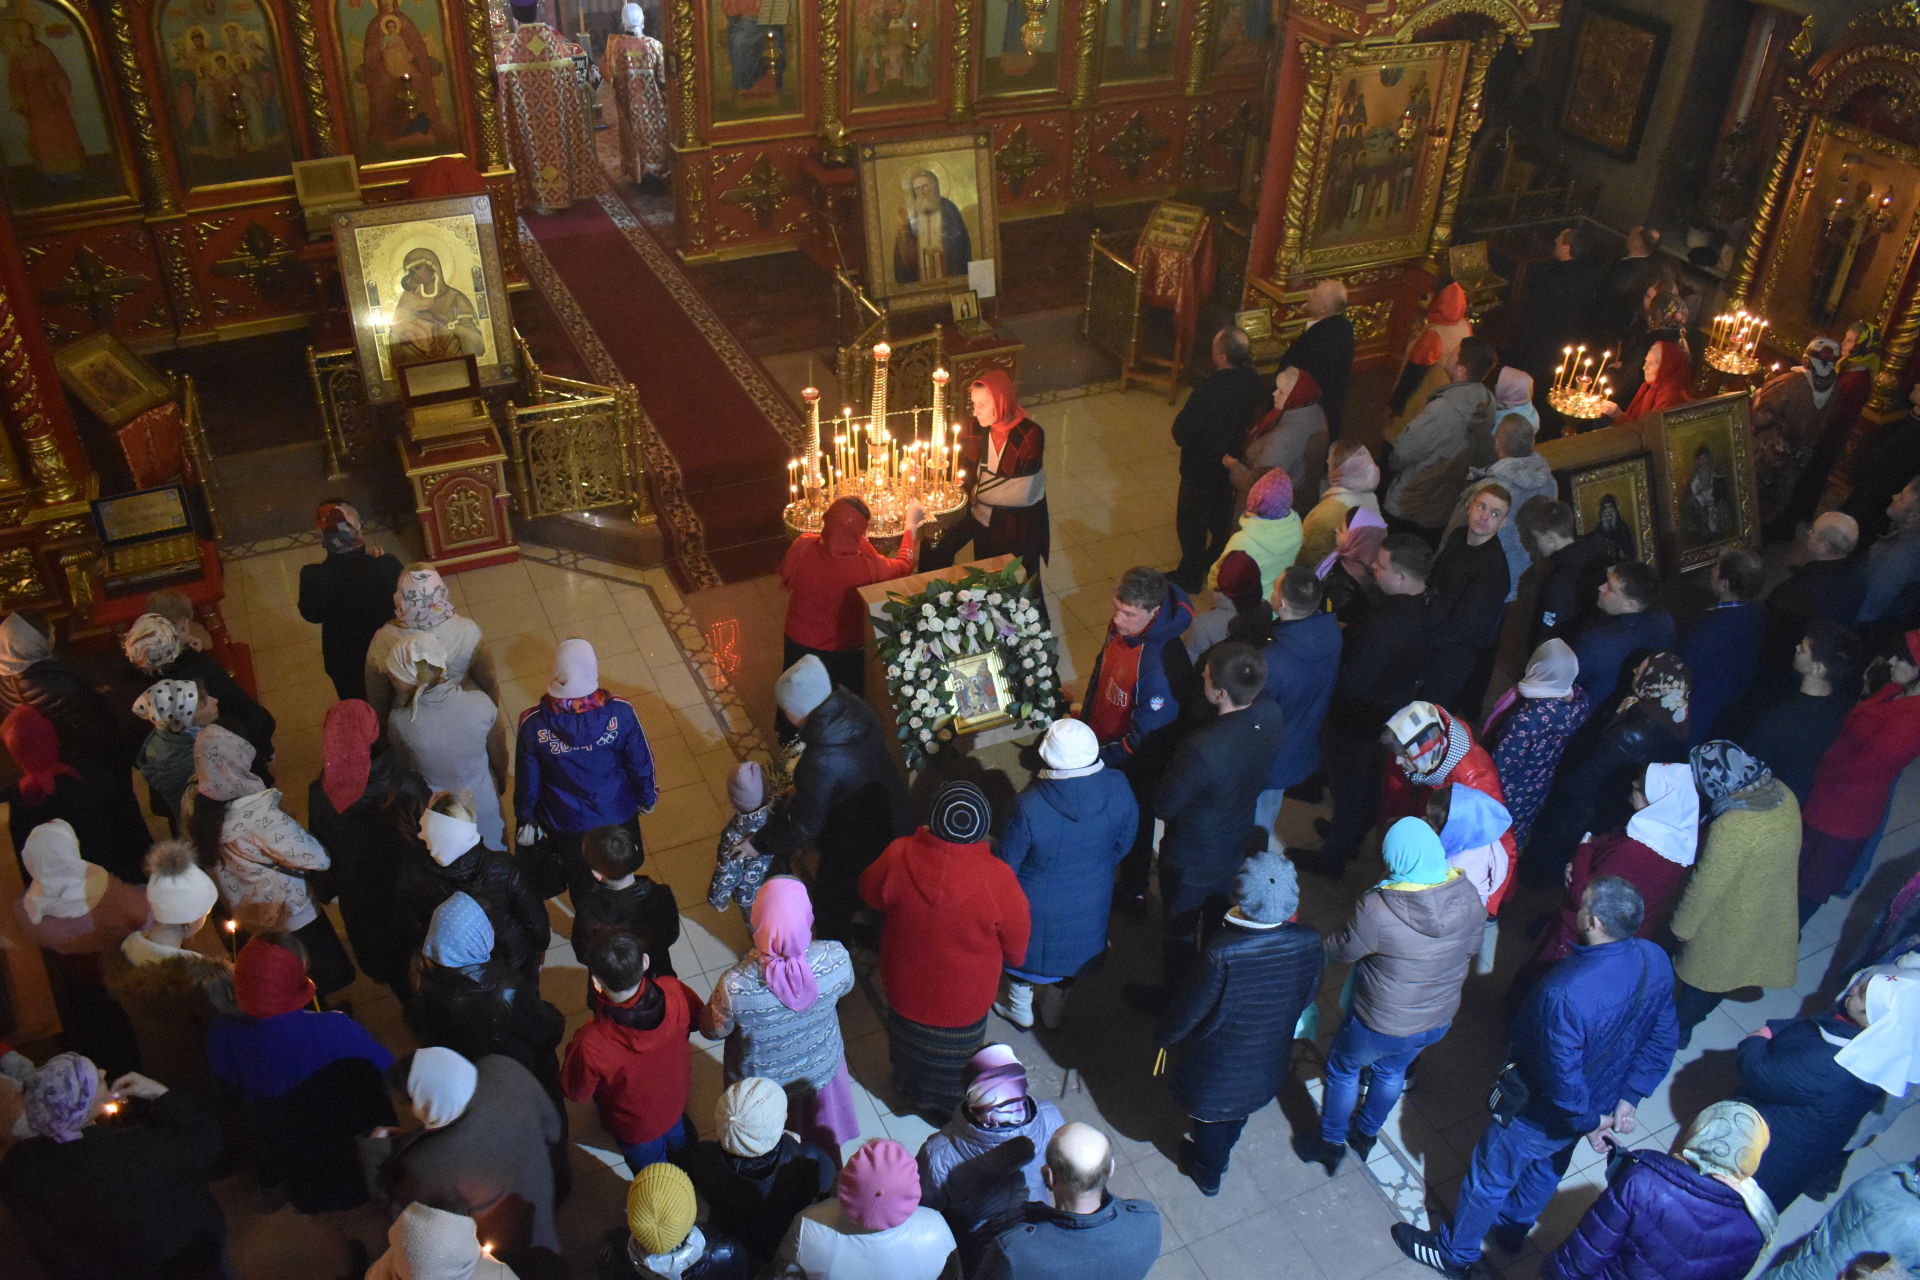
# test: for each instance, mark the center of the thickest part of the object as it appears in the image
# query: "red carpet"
(721, 432)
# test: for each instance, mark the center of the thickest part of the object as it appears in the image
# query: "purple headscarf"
(1271, 497)
(782, 932)
(60, 1098)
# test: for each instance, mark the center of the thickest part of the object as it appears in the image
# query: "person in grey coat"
(1879, 1213)
(1452, 432)
(1064, 837)
(1083, 1231)
(1232, 1021)
(484, 1140)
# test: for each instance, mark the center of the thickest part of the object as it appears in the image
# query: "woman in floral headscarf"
(258, 854)
(422, 604)
(1352, 477)
(177, 710)
(347, 595)
(1530, 727)
(1736, 920)
(155, 651)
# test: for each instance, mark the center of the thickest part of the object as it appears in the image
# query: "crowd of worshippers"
(1681, 798)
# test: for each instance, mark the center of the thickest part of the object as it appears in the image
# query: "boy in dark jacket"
(622, 901)
(632, 1059)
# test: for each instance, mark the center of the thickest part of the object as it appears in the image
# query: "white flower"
(1026, 662)
(993, 597)
(946, 598)
(914, 723)
(893, 673)
(926, 735)
(927, 610)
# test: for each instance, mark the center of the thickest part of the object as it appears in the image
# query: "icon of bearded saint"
(431, 318)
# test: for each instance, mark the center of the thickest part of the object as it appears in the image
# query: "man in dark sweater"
(1085, 1231)
(1633, 625)
(1791, 736)
(1722, 649)
(1570, 570)
(1211, 426)
(1324, 349)
(1829, 585)
(1384, 657)
(1470, 582)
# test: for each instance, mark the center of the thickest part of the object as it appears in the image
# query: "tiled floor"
(699, 671)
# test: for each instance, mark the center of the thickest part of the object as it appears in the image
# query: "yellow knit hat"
(661, 1208)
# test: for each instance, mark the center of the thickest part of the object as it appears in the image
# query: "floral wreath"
(984, 612)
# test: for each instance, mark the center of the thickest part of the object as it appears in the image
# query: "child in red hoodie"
(632, 1059)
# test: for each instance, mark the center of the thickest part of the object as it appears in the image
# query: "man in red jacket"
(632, 1059)
(1435, 750)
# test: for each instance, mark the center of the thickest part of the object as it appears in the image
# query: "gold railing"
(861, 323)
(1114, 287)
(198, 450)
(576, 449)
(348, 427)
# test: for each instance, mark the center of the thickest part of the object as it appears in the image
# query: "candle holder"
(887, 460)
(1733, 346)
(1580, 387)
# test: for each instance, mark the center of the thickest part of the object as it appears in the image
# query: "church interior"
(594, 308)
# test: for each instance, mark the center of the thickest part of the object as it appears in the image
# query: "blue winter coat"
(1165, 678)
(1064, 839)
(1879, 1213)
(1722, 650)
(1609, 643)
(1303, 660)
(1660, 1219)
(577, 770)
(1583, 1044)
(1811, 1103)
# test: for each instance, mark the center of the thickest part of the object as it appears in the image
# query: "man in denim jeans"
(1412, 938)
(1595, 1037)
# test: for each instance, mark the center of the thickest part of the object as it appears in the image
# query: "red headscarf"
(1305, 392)
(1449, 306)
(35, 746)
(1239, 578)
(843, 530)
(269, 980)
(346, 745)
(1006, 404)
(1670, 387)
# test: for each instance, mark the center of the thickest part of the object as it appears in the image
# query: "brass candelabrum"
(1580, 386)
(1733, 344)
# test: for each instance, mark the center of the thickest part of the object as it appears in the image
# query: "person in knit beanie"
(738, 868)
(662, 1240)
(755, 1176)
(1269, 531)
(876, 1224)
(965, 1169)
(425, 1243)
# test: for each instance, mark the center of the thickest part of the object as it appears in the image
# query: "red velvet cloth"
(823, 573)
(155, 446)
(445, 176)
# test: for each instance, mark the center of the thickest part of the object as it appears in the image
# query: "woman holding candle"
(1667, 375)
(1004, 455)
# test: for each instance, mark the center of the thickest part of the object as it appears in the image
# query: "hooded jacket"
(848, 797)
(1660, 1219)
(1412, 945)
(955, 918)
(577, 770)
(1303, 659)
(945, 1157)
(1064, 839)
(496, 1011)
(1431, 457)
(823, 573)
(1878, 1212)
(1165, 681)
(1274, 545)
(633, 1060)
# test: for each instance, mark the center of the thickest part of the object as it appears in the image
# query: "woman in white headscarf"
(1651, 852)
(422, 605)
(73, 907)
(452, 737)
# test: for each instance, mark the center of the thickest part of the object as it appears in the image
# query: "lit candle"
(812, 397)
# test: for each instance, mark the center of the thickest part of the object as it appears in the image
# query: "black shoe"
(1313, 1149)
(1183, 1162)
(1510, 1240)
(1150, 1000)
(1361, 1143)
(1419, 1246)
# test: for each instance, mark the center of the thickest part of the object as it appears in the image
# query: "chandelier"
(889, 461)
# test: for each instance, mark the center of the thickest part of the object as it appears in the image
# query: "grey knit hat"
(1268, 891)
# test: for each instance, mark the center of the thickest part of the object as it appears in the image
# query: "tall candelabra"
(882, 459)
(1734, 343)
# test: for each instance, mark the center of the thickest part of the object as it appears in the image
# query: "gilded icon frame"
(81, 366)
(1595, 110)
(963, 165)
(996, 709)
(1629, 484)
(1703, 520)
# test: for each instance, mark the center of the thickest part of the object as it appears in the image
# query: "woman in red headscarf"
(1003, 457)
(1433, 349)
(823, 573)
(354, 811)
(1291, 435)
(1667, 383)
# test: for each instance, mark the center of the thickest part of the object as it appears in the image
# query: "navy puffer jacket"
(1659, 1219)
(1064, 839)
(1235, 1014)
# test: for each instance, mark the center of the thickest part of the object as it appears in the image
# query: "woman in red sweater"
(1855, 780)
(1652, 853)
(955, 918)
(823, 573)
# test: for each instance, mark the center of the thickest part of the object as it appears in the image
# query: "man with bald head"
(1085, 1231)
(1828, 585)
(1324, 349)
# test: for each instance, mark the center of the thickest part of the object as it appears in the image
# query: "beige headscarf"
(1726, 1141)
(21, 645)
(405, 659)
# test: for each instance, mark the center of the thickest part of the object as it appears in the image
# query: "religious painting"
(928, 210)
(1844, 241)
(1139, 40)
(980, 695)
(1612, 78)
(115, 384)
(221, 90)
(754, 43)
(399, 79)
(1382, 155)
(1615, 503)
(57, 140)
(895, 47)
(1242, 35)
(1703, 462)
(423, 282)
(1021, 54)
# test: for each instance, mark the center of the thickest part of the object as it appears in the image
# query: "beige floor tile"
(496, 582)
(505, 616)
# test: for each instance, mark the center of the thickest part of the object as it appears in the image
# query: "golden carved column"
(1766, 214)
(832, 128)
(960, 101)
(1315, 61)
(1200, 48)
(486, 87)
(1086, 53)
(154, 174)
(686, 54)
(1466, 123)
(26, 412)
(313, 76)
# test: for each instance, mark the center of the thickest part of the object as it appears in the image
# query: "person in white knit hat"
(755, 1175)
(1064, 837)
(425, 1243)
(166, 975)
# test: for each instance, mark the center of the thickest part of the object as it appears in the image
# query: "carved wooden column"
(1313, 61)
(34, 412)
(1200, 49)
(486, 87)
(960, 101)
(313, 76)
(1766, 213)
(1466, 123)
(154, 174)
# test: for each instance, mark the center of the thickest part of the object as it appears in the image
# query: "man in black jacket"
(1470, 584)
(1207, 794)
(849, 800)
(1384, 658)
(1210, 426)
(1570, 570)
(1324, 349)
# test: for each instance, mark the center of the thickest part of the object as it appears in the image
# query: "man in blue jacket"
(1722, 650)
(1133, 700)
(1303, 658)
(1594, 1038)
(1632, 626)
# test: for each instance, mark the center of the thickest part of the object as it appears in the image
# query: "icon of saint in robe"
(42, 95)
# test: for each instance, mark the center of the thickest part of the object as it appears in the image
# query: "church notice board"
(993, 758)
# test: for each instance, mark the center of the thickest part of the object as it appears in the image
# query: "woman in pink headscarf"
(1352, 477)
(1348, 571)
(776, 1010)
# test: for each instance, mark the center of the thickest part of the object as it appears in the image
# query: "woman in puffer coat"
(1064, 838)
(1697, 1215)
(959, 1173)
(1879, 1212)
